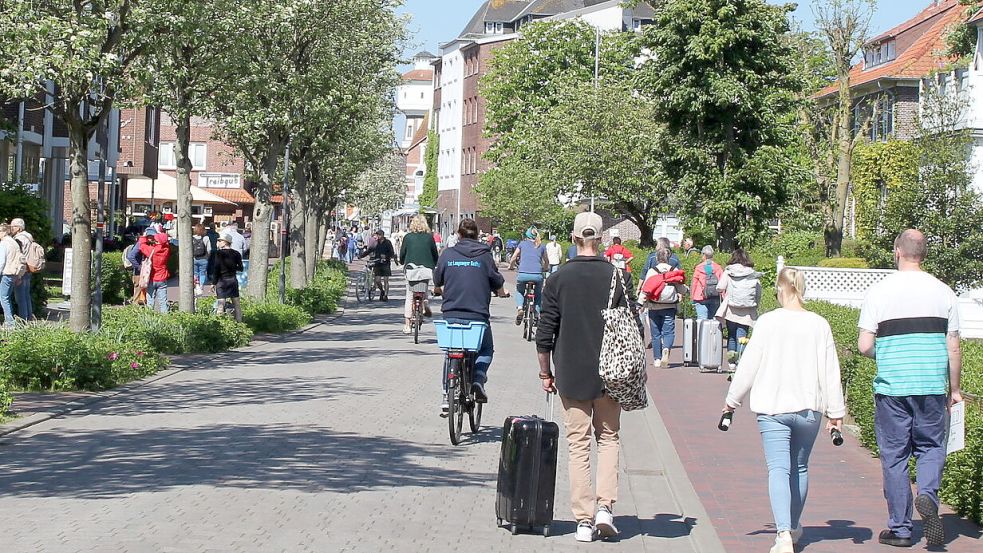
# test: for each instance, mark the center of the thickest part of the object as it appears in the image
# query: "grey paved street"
(326, 441)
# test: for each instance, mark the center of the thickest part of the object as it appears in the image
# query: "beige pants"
(408, 307)
(603, 415)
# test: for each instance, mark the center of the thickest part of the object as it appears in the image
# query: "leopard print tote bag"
(622, 360)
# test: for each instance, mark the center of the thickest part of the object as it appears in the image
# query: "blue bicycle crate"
(460, 336)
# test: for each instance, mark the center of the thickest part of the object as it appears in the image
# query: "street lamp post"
(284, 232)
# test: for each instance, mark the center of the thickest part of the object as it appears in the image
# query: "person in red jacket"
(155, 246)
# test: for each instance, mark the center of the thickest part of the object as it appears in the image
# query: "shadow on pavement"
(302, 355)
(185, 395)
(835, 530)
(106, 463)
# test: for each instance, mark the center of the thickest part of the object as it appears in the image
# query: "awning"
(165, 189)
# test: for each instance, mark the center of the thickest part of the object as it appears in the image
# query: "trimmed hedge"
(844, 263)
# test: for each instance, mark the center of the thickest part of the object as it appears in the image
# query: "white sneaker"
(444, 406)
(665, 356)
(796, 534)
(407, 329)
(585, 531)
(783, 543)
(604, 522)
(657, 362)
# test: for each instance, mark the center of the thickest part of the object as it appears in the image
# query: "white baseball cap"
(585, 222)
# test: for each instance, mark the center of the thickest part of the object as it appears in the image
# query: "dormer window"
(879, 53)
(494, 28)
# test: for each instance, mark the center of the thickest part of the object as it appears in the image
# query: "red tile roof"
(976, 18)
(924, 56)
(418, 75)
(237, 195)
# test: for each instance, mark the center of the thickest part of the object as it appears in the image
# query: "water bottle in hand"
(725, 420)
(836, 436)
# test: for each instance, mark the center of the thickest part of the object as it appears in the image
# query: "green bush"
(844, 263)
(321, 295)
(117, 280)
(44, 356)
(269, 317)
(18, 201)
(5, 397)
(175, 333)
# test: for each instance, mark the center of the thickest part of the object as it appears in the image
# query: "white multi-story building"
(414, 97)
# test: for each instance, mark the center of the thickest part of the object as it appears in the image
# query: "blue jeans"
(201, 270)
(706, 309)
(735, 332)
(663, 325)
(906, 426)
(788, 439)
(520, 287)
(6, 295)
(157, 296)
(22, 295)
(482, 360)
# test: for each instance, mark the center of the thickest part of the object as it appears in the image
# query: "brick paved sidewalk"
(326, 441)
(845, 510)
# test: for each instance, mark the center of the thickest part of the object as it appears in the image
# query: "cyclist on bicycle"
(530, 257)
(466, 275)
(381, 250)
(418, 255)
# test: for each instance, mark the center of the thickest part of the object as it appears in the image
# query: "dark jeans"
(735, 332)
(906, 426)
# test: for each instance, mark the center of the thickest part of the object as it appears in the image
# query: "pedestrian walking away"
(156, 250)
(554, 254)
(653, 259)
(466, 276)
(740, 288)
(909, 324)
(201, 248)
(22, 287)
(663, 308)
(792, 372)
(228, 263)
(569, 339)
(530, 258)
(418, 255)
(704, 292)
(382, 256)
(10, 270)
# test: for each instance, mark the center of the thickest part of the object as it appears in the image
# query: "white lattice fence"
(849, 286)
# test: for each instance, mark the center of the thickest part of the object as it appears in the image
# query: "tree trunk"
(298, 226)
(844, 142)
(259, 249)
(79, 316)
(322, 233)
(186, 260)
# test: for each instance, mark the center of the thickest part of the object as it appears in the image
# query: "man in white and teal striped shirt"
(909, 323)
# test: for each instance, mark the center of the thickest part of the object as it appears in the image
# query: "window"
(197, 151)
(880, 53)
(636, 24)
(877, 114)
(494, 27)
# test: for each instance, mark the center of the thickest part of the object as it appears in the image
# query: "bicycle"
(419, 290)
(460, 343)
(365, 284)
(529, 315)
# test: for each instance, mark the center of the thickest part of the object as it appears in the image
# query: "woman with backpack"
(706, 276)
(662, 310)
(741, 289)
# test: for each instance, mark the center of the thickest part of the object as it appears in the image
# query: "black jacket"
(227, 263)
(571, 326)
(468, 275)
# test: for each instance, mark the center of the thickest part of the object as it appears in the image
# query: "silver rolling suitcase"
(703, 344)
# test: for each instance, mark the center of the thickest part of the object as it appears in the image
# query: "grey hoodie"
(743, 286)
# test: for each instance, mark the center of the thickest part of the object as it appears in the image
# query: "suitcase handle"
(549, 406)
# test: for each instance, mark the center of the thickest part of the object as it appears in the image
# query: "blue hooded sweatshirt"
(468, 275)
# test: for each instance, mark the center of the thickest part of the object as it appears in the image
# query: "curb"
(189, 362)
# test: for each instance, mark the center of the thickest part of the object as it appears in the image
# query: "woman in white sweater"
(791, 369)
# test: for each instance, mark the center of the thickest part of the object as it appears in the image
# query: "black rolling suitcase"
(527, 472)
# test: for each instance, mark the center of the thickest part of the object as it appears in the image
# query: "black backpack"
(198, 248)
(711, 292)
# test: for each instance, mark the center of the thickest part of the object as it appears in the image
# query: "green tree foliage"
(516, 193)
(723, 76)
(17, 201)
(884, 176)
(961, 40)
(428, 198)
(87, 51)
(937, 196)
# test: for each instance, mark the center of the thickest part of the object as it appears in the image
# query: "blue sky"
(436, 21)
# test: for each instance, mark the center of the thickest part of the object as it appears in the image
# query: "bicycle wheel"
(530, 330)
(369, 285)
(525, 322)
(358, 292)
(455, 414)
(474, 417)
(417, 321)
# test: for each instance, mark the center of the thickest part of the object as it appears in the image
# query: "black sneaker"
(929, 511)
(888, 537)
(518, 319)
(478, 390)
